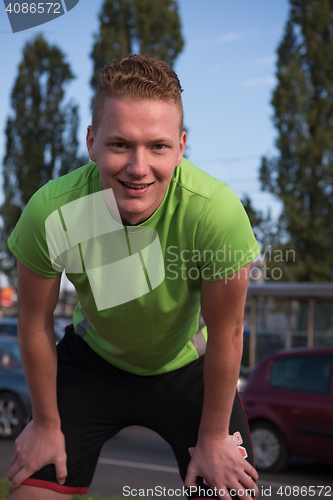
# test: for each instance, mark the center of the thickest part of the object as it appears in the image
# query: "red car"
(289, 405)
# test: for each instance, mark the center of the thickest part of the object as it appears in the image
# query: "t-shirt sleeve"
(28, 240)
(226, 240)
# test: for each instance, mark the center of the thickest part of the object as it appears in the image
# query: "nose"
(138, 165)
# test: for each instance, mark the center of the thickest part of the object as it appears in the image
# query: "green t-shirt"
(138, 286)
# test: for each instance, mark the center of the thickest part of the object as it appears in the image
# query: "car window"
(10, 356)
(8, 328)
(308, 374)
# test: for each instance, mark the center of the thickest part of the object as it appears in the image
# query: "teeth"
(135, 187)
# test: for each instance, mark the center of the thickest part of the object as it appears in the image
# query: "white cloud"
(262, 61)
(222, 39)
(259, 82)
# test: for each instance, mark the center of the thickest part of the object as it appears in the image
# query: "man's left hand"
(221, 464)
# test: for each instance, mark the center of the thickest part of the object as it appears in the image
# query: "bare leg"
(32, 493)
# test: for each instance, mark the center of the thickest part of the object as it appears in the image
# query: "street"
(137, 460)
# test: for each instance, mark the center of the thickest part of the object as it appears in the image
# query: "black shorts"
(96, 400)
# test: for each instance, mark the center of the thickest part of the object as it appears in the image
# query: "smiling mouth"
(135, 187)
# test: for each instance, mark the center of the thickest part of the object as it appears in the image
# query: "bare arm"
(41, 442)
(216, 457)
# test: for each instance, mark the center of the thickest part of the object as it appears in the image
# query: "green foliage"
(4, 483)
(41, 141)
(301, 176)
(148, 27)
(262, 225)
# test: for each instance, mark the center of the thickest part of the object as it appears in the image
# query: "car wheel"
(11, 416)
(269, 448)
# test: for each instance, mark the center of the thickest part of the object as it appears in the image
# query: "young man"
(149, 241)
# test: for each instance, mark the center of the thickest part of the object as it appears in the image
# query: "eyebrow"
(163, 139)
(119, 138)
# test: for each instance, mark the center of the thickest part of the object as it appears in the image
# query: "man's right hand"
(36, 447)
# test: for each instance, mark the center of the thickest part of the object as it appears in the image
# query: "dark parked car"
(8, 326)
(15, 405)
(289, 404)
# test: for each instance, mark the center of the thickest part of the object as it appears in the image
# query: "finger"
(249, 490)
(14, 458)
(246, 488)
(223, 493)
(240, 492)
(253, 486)
(250, 470)
(247, 481)
(14, 470)
(61, 471)
(18, 479)
(190, 479)
(246, 492)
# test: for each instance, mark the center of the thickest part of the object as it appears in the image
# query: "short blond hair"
(139, 77)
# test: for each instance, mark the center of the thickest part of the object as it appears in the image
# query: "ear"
(182, 145)
(90, 140)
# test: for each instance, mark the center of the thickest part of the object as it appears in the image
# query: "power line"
(231, 160)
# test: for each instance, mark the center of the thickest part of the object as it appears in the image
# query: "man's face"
(137, 147)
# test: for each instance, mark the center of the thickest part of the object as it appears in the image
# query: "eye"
(159, 146)
(119, 144)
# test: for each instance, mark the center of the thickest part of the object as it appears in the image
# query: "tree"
(262, 224)
(301, 176)
(41, 134)
(148, 27)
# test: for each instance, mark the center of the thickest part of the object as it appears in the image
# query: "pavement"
(138, 462)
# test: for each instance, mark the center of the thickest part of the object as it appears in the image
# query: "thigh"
(176, 413)
(239, 429)
(92, 410)
(32, 493)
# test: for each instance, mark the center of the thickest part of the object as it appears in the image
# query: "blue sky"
(227, 70)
